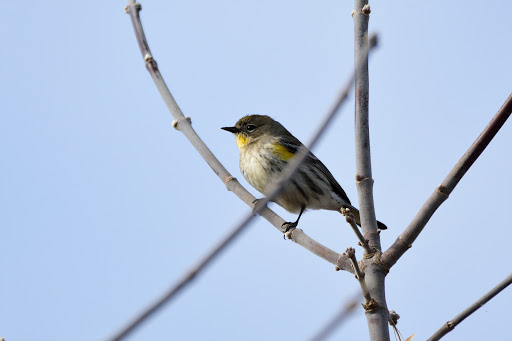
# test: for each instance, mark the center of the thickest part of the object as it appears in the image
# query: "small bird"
(266, 147)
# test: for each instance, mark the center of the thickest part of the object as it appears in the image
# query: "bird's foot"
(289, 225)
(288, 228)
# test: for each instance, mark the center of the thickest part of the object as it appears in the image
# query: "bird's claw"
(290, 226)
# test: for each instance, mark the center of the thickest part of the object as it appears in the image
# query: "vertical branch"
(362, 127)
(377, 317)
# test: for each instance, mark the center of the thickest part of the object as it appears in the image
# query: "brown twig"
(450, 325)
(351, 254)
(441, 193)
(350, 219)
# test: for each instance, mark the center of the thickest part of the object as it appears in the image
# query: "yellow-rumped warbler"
(265, 149)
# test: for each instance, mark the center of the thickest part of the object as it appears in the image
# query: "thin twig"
(450, 325)
(337, 320)
(350, 219)
(441, 193)
(351, 254)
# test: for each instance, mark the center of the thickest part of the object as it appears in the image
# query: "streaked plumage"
(265, 149)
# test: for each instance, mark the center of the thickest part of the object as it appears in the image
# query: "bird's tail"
(357, 217)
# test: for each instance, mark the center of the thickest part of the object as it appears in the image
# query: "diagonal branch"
(441, 193)
(350, 219)
(337, 320)
(450, 325)
(351, 254)
(183, 124)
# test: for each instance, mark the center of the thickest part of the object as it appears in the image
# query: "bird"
(266, 148)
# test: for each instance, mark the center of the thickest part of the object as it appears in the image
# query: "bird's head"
(249, 129)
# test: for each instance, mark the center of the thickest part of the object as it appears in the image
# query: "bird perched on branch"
(266, 147)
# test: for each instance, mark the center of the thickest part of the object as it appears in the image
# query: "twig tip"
(393, 317)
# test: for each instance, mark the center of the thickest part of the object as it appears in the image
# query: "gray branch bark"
(377, 312)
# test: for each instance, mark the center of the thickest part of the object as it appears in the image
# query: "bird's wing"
(292, 144)
(334, 184)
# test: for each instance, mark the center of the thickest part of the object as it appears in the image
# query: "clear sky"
(103, 204)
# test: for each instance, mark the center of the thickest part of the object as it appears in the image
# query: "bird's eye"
(250, 127)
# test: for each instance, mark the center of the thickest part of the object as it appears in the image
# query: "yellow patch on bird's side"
(282, 151)
(241, 140)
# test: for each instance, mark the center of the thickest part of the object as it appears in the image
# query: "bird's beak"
(233, 130)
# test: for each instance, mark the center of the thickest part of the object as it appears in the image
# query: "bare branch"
(450, 325)
(362, 132)
(351, 254)
(362, 242)
(347, 310)
(341, 262)
(376, 314)
(178, 286)
(183, 124)
(441, 193)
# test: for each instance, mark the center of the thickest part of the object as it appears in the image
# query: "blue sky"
(103, 204)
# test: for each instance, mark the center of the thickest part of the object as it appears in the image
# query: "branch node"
(442, 190)
(137, 6)
(288, 234)
(360, 178)
(350, 252)
(393, 318)
(228, 178)
(175, 123)
(366, 9)
(407, 245)
(151, 63)
(370, 305)
(148, 57)
(450, 324)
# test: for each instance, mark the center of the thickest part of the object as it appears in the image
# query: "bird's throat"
(241, 140)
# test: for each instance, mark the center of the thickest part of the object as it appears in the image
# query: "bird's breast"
(261, 165)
